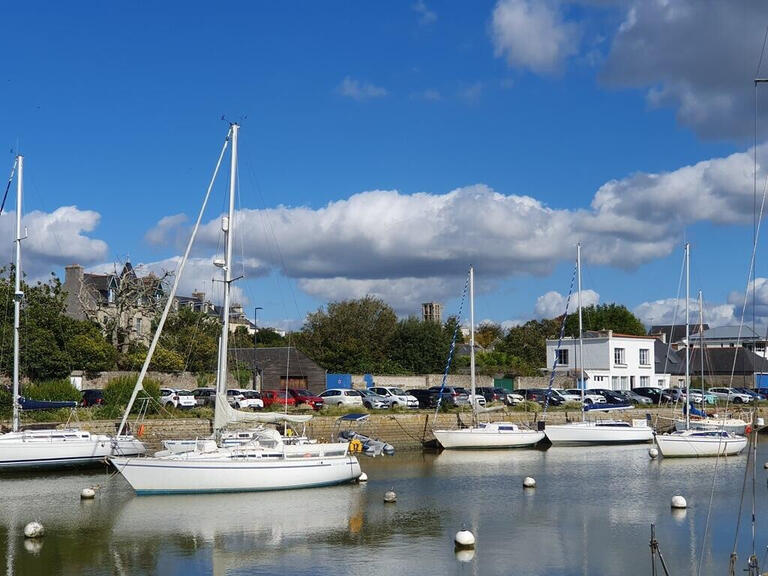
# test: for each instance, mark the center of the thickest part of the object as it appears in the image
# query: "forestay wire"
(560, 340)
(453, 345)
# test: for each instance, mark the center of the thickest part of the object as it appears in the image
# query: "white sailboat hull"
(599, 433)
(58, 448)
(732, 425)
(687, 445)
(227, 474)
(488, 436)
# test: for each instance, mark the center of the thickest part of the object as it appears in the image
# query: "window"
(111, 296)
(562, 356)
(614, 382)
(138, 325)
(624, 383)
(645, 381)
(660, 383)
(644, 357)
(599, 378)
(618, 356)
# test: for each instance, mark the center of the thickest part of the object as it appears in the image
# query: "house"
(122, 304)
(275, 368)
(674, 333)
(730, 337)
(612, 361)
(198, 303)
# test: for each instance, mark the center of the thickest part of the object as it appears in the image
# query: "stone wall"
(561, 381)
(183, 380)
(424, 381)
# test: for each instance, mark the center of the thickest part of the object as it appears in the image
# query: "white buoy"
(464, 538)
(653, 453)
(765, 465)
(678, 502)
(529, 482)
(363, 477)
(760, 422)
(87, 494)
(390, 496)
(34, 530)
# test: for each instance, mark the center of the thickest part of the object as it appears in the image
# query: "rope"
(559, 342)
(453, 346)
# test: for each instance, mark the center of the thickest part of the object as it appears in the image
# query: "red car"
(306, 397)
(277, 397)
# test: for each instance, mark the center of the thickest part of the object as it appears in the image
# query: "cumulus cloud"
(168, 231)
(533, 35)
(672, 311)
(357, 90)
(695, 56)
(54, 239)
(552, 304)
(383, 242)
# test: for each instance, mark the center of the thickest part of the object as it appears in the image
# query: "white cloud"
(426, 16)
(533, 34)
(429, 95)
(695, 56)
(54, 239)
(358, 90)
(413, 246)
(672, 311)
(472, 93)
(168, 231)
(552, 304)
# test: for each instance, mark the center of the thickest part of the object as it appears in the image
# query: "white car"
(588, 397)
(341, 397)
(730, 395)
(397, 396)
(177, 398)
(512, 399)
(244, 400)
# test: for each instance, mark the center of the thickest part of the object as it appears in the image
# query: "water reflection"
(590, 513)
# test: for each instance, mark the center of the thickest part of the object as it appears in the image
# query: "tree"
(487, 333)
(420, 347)
(605, 317)
(528, 344)
(194, 336)
(351, 336)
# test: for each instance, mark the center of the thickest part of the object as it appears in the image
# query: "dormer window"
(111, 296)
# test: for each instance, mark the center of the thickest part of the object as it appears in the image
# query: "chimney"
(74, 275)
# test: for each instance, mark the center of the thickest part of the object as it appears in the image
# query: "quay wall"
(423, 381)
(405, 431)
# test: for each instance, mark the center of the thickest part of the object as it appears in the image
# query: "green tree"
(194, 336)
(420, 347)
(351, 336)
(527, 343)
(269, 338)
(488, 333)
(605, 317)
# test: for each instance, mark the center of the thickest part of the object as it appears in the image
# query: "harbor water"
(590, 514)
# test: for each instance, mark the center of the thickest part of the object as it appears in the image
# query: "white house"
(613, 361)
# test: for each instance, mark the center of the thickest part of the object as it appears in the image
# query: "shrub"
(527, 406)
(572, 406)
(53, 390)
(118, 392)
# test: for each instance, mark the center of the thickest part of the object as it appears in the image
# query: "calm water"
(589, 514)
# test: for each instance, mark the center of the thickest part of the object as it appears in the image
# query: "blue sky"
(386, 146)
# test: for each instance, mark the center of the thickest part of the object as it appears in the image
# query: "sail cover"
(225, 414)
(45, 404)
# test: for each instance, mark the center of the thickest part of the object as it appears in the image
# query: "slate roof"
(729, 333)
(719, 361)
(675, 333)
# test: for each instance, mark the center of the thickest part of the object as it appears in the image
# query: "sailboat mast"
(687, 333)
(472, 336)
(227, 226)
(583, 384)
(18, 294)
(701, 347)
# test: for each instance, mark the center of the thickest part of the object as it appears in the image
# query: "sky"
(386, 147)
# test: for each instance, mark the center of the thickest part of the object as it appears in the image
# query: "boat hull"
(684, 446)
(192, 476)
(481, 438)
(62, 448)
(594, 433)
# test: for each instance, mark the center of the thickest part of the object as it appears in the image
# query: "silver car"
(374, 401)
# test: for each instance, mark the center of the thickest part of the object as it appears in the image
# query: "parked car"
(491, 394)
(341, 397)
(540, 395)
(676, 393)
(636, 398)
(657, 395)
(477, 400)
(426, 398)
(205, 396)
(374, 401)
(177, 398)
(590, 396)
(303, 396)
(449, 395)
(239, 399)
(611, 396)
(281, 397)
(730, 395)
(397, 396)
(752, 392)
(513, 398)
(92, 398)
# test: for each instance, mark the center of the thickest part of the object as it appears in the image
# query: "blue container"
(338, 381)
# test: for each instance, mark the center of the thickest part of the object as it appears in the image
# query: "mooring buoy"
(653, 453)
(34, 530)
(390, 496)
(529, 482)
(678, 502)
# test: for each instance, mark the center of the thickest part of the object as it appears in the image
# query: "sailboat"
(49, 447)
(595, 431)
(690, 441)
(264, 462)
(484, 435)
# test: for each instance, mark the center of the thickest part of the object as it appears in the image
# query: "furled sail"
(225, 415)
